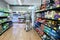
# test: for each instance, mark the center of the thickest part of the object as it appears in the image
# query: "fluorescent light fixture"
(30, 7)
(19, 1)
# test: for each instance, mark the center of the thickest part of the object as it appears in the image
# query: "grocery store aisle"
(17, 32)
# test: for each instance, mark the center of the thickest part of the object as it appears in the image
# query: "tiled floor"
(17, 32)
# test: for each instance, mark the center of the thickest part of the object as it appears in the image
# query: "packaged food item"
(57, 16)
(51, 4)
(55, 28)
(39, 19)
(43, 15)
(5, 26)
(57, 3)
(43, 7)
(0, 21)
(41, 32)
(46, 14)
(42, 27)
(48, 4)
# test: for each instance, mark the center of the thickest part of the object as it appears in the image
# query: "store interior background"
(44, 18)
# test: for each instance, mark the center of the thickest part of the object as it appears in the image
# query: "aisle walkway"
(17, 32)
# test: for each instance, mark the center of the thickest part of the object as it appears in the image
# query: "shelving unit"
(50, 19)
(40, 11)
(4, 23)
(47, 24)
(4, 30)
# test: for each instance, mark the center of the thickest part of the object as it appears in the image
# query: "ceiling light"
(19, 1)
(32, 7)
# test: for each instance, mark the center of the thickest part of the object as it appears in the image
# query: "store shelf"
(5, 22)
(50, 19)
(50, 27)
(5, 25)
(3, 16)
(5, 11)
(21, 18)
(4, 30)
(47, 33)
(47, 26)
(50, 36)
(9, 26)
(42, 35)
(40, 11)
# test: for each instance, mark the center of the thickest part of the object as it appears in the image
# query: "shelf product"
(5, 26)
(57, 3)
(0, 21)
(43, 7)
(37, 24)
(44, 37)
(39, 31)
(57, 15)
(3, 20)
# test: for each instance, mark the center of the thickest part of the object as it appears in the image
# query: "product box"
(59, 16)
(46, 14)
(42, 27)
(43, 7)
(57, 3)
(41, 32)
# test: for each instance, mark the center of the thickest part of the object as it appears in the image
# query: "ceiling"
(23, 2)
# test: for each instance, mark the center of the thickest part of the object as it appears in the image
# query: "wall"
(3, 4)
(19, 8)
